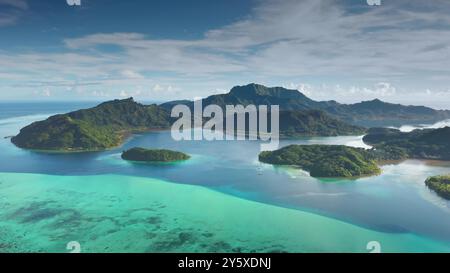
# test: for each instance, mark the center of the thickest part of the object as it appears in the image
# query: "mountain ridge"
(370, 113)
(109, 123)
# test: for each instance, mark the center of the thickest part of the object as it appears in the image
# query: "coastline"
(124, 138)
(297, 168)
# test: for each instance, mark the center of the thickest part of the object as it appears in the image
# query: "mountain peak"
(374, 101)
(254, 89)
(126, 101)
(130, 99)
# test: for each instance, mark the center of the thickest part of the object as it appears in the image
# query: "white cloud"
(157, 88)
(385, 89)
(43, 93)
(123, 94)
(350, 94)
(46, 93)
(97, 93)
(305, 88)
(130, 74)
(341, 54)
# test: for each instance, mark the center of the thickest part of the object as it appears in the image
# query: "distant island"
(110, 123)
(419, 144)
(373, 113)
(153, 155)
(440, 184)
(325, 160)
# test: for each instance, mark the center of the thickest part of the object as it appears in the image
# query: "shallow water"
(110, 213)
(222, 200)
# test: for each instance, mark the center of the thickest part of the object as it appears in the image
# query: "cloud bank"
(327, 49)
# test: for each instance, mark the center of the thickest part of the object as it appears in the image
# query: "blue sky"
(162, 50)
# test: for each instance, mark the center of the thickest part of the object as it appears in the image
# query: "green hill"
(308, 123)
(440, 184)
(108, 124)
(314, 123)
(153, 155)
(418, 144)
(368, 114)
(259, 95)
(376, 113)
(102, 127)
(325, 160)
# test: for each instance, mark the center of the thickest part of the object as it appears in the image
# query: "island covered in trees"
(325, 160)
(342, 161)
(298, 123)
(153, 155)
(440, 184)
(108, 124)
(102, 127)
(393, 144)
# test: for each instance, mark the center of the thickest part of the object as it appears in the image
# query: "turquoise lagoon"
(222, 200)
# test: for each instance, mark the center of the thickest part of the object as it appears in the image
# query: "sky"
(344, 50)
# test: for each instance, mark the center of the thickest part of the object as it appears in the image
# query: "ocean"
(221, 200)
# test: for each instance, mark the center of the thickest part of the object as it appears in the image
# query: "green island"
(325, 160)
(310, 123)
(110, 123)
(314, 123)
(153, 155)
(102, 127)
(388, 144)
(440, 184)
(392, 144)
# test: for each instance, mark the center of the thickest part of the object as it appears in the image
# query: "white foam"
(11, 126)
(22, 119)
(409, 128)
